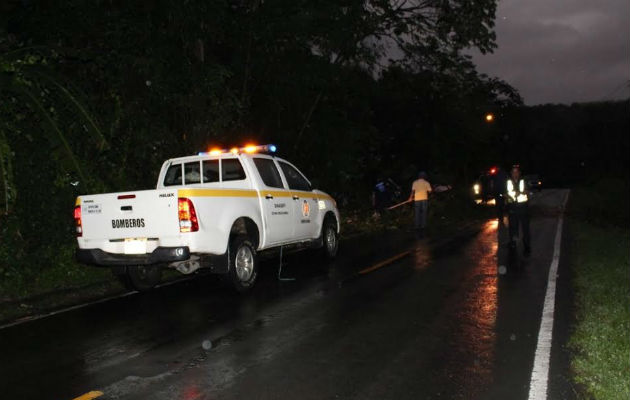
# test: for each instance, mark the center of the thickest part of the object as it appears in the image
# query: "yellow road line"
(89, 396)
(384, 263)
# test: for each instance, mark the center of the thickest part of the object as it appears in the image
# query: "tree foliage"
(97, 94)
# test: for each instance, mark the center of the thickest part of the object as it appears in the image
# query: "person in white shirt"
(420, 190)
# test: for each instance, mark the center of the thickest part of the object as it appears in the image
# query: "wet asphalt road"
(437, 322)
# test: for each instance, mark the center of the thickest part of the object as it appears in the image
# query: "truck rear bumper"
(159, 255)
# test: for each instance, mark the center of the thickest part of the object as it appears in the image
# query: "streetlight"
(489, 117)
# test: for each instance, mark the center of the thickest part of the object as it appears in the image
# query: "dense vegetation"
(96, 94)
(572, 144)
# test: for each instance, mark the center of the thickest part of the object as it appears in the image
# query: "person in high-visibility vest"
(498, 183)
(518, 209)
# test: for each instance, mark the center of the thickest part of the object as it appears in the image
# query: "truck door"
(305, 203)
(277, 205)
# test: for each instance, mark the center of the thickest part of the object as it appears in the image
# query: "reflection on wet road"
(435, 321)
(475, 317)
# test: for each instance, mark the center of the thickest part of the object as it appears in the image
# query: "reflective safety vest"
(516, 196)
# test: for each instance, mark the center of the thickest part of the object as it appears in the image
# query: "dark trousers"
(420, 208)
(382, 212)
(499, 204)
(518, 216)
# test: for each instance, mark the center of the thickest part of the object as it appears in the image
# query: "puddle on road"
(472, 330)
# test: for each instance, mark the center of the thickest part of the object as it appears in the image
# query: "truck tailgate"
(126, 215)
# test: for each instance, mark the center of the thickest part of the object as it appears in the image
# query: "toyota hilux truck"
(213, 211)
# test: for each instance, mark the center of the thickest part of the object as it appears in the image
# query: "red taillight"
(77, 220)
(187, 215)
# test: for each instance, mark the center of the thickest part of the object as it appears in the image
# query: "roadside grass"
(52, 299)
(62, 283)
(48, 272)
(603, 203)
(601, 261)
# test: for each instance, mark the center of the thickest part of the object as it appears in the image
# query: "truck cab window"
(173, 175)
(294, 178)
(210, 171)
(191, 173)
(232, 170)
(268, 172)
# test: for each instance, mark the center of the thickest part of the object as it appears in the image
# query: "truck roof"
(215, 153)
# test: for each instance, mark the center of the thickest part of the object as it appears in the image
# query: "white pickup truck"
(214, 210)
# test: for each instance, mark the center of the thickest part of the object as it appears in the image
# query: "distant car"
(533, 182)
(485, 187)
(480, 191)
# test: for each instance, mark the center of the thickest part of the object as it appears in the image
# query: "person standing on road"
(380, 198)
(518, 209)
(499, 181)
(420, 190)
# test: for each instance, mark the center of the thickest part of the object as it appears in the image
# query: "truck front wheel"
(243, 269)
(330, 239)
(139, 277)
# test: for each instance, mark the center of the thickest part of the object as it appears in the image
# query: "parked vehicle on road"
(484, 188)
(214, 210)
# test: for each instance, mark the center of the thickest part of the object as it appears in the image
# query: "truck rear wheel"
(243, 268)
(139, 277)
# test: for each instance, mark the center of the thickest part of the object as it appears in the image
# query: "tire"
(330, 239)
(243, 268)
(139, 277)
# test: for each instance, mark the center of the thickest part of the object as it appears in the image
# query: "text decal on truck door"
(128, 223)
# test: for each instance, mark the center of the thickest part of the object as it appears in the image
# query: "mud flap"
(216, 263)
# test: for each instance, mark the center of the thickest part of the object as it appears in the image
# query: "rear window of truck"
(232, 170)
(208, 171)
(192, 173)
(173, 175)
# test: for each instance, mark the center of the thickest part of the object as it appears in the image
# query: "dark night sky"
(562, 51)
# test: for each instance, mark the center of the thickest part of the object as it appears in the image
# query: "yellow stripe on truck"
(216, 193)
(275, 193)
(312, 195)
(247, 193)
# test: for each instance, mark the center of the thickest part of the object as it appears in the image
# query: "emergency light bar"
(264, 148)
